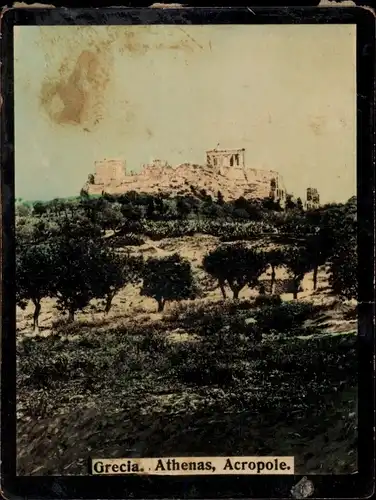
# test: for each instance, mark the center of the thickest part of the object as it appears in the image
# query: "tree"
(39, 208)
(34, 275)
(77, 266)
(296, 259)
(290, 204)
(183, 207)
(343, 271)
(275, 259)
(150, 208)
(115, 272)
(236, 265)
(168, 278)
(23, 210)
(299, 204)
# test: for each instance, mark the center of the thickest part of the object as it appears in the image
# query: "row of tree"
(134, 205)
(64, 252)
(77, 270)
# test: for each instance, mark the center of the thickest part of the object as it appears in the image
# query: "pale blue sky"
(285, 93)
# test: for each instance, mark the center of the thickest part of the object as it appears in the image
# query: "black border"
(356, 485)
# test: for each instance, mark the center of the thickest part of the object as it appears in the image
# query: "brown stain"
(149, 133)
(75, 88)
(77, 97)
(317, 125)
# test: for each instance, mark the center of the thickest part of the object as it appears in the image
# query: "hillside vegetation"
(150, 326)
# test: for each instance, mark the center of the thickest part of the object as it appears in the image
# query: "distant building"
(225, 171)
(108, 171)
(218, 158)
(277, 190)
(313, 199)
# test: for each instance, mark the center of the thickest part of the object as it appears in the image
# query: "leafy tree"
(168, 278)
(296, 260)
(269, 203)
(236, 265)
(290, 204)
(240, 213)
(90, 179)
(212, 210)
(39, 208)
(77, 226)
(34, 275)
(23, 210)
(131, 212)
(77, 265)
(275, 259)
(115, 272)
(299, 204)
(241, 203)
(150, 208)
(343, 271)
(183, 207)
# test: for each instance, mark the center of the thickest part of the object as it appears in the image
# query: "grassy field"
(206, 377)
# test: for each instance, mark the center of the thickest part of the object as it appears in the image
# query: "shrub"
(283, 318)
(267, 300)
(217, 360)
(127, 240)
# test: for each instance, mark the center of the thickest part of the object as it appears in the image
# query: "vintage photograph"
(186, 244)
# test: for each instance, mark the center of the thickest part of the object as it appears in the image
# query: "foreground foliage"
(132, 387)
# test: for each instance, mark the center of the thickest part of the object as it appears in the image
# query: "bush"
(126, 240)
(283, 318)
(216, 360)
(267, 300)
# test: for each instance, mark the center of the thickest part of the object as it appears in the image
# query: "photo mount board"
(325, 486)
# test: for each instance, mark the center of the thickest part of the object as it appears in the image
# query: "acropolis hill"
(225, 171)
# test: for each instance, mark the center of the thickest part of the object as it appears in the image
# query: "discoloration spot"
(149, 133)
(77, 98)
(75, 88)
(317, 124)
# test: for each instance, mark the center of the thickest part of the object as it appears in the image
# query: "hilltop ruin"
(225, 170)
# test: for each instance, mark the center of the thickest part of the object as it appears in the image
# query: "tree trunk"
(296, 288)
(236, 289)
(71, 315)
(161, 304)
(272, 284)
(222, 287)
(37, 309)
(315, 272)
(109, 298)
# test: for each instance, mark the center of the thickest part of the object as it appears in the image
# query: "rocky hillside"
(232, 182)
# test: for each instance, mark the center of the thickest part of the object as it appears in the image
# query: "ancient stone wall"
(224, 171)
(109, 171)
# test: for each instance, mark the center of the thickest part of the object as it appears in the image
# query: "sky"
(285, 93)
